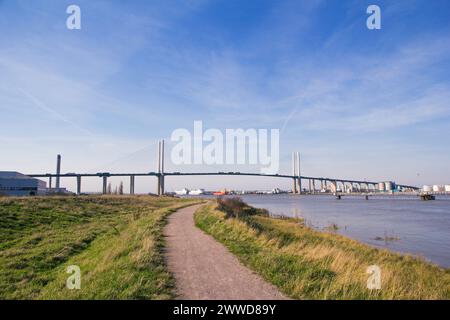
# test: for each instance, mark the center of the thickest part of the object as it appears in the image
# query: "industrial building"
(387, 186)
(436, 188)
(16, 184)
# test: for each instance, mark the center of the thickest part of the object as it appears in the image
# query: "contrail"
(289, 117)
(49, 110)
(123, 157)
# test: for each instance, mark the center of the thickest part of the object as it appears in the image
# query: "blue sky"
(356, 103)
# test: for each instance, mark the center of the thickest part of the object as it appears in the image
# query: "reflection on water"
(404, 224)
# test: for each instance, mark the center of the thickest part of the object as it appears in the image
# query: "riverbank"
(309, 264)
(418, 227)
(116, 241)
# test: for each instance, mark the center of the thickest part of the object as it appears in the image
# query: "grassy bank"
(308, 264)
(116, 241)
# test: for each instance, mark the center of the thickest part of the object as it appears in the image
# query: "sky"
(356, 103)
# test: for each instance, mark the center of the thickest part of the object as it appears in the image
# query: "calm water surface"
(422, 227)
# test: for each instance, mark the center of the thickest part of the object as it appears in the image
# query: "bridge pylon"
(297, 181)
(160, 184)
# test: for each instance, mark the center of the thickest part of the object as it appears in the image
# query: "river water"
(404, 224)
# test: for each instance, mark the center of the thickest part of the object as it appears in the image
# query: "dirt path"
(205, 269)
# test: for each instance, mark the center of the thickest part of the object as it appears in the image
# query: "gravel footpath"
(204, 269)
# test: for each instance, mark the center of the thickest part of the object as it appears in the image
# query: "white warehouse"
(16, 184)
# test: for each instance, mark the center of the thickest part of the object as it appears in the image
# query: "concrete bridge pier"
(78, 185)
(299, 181)
(50, 182)
(294, 186)
(105, 184)
(158, 186)
(162, 185)
(132, 185)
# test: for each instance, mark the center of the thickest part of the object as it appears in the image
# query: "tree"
(121, 187)
(109, 189)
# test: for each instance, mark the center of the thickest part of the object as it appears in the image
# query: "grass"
(115, 240)
(308, 264)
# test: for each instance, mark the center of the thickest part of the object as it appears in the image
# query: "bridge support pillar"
(161, 168)
(161, 185)
(299, 181)
(131, 185)
(50, 182)
(294, 186)
(158, 186)
(105, 184)
(78, 185)
(296, 173)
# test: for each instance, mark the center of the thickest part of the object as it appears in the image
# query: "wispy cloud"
(375, 92)
(138, 70)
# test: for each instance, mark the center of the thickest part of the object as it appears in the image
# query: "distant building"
(182, 192)
(17, 184)
(196, 192)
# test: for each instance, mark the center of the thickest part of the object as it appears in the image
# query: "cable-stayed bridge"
(298, 180)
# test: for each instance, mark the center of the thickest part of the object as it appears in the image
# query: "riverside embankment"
(306, 263)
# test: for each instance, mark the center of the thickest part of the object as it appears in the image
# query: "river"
(402, 224)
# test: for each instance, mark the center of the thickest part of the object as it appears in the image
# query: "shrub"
(236, 208)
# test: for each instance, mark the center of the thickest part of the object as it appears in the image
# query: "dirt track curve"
(204, 269)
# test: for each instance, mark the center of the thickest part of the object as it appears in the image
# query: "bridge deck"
(156, 174)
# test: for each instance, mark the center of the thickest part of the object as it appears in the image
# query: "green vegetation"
(236, 208)
(309, 264)
(115, 240)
